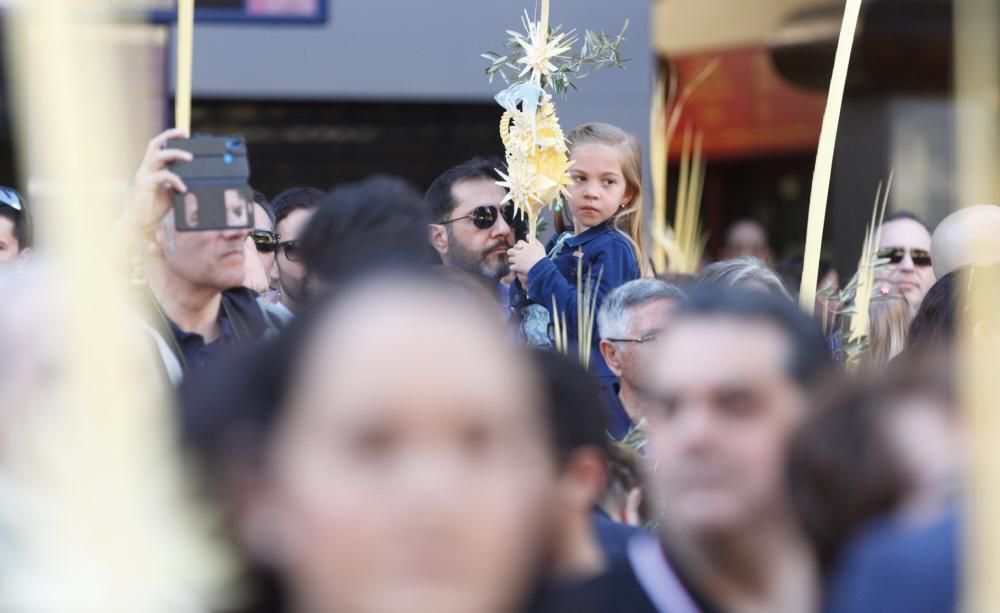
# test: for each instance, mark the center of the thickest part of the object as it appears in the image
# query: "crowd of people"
(372, 384)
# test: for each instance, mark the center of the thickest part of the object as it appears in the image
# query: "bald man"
(969, 236)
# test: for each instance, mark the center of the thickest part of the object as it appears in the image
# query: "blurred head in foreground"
(732, 381)
(388, 457)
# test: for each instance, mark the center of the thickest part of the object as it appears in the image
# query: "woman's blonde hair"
(629, 219)
(888, 323)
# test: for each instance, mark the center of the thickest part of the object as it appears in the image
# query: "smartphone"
(219, 196)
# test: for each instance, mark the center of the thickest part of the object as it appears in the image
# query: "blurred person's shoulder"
(896, 564)
(616, 590)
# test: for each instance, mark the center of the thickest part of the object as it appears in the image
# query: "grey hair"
(739, 272)
(614, 318)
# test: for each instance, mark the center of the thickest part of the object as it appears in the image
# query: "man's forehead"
(721, 348)
(294, 222)
(905, 233)
(471, 193)
(746, 233)
(652, 312)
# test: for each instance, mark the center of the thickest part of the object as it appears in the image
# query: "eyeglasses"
(485, 216)
(895, 255)
(11, 198)
(265, 241)
(293, 250)
(649, 338)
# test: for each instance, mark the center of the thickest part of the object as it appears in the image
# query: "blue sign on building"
(267, 11)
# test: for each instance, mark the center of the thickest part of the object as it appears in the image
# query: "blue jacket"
(894, 566)
(602, 248)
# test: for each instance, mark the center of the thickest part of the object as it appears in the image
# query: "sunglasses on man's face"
(483, 217)
(292, 249)
(265, 241)
(895, 255)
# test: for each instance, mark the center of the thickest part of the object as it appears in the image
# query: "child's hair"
(888, 325)
(628, 220)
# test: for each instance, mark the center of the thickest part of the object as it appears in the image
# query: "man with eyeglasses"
(293, 208)
(15, 228)
(470, 229)
(631, 319)
(906, 243)
(198, 307)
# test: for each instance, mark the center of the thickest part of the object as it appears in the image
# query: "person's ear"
(584, 478)
(24, 255)
(438, 236)
(630, 193)
(611, 357)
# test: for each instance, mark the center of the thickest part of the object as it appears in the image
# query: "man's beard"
(478, 263)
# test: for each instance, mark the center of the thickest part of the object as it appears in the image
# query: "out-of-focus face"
(914, 278)
(598, 187)
(925, 435)
(648, 322)
(747, 238)
(211, 259)
(9, 248)
(720, 410)
(292, 273)
(413, 473)
(479, 251)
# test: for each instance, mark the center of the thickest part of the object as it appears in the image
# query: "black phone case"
(219, 166)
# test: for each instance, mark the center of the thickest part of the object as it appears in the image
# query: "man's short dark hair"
(904, 214)
(439, 199)
(809, 360)
(21, 220)
(293, 199)
(573, 403)
(366, 226)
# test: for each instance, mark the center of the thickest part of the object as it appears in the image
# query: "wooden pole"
(977, 92)
(102, 521)
(185, 60)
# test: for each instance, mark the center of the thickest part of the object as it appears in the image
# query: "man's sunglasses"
(11, 198)
(895, 255)
(293, 250)
(483, 217)
(265, 240)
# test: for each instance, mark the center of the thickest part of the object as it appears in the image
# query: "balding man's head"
(967, 237)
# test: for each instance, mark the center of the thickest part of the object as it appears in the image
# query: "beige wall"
(689, 26)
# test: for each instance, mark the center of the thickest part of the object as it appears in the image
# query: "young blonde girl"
(606, 207)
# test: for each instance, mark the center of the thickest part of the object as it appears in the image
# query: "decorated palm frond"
(559, 329)
(586, 315)
(856, 297)
(678, 247)
(684, 242)
(586, 310)
(539, 63)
